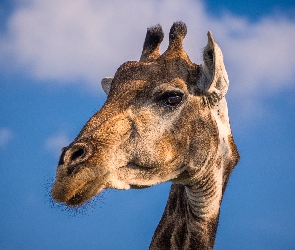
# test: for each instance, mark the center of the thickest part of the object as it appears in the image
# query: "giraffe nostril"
(77, 154)
(73, 155)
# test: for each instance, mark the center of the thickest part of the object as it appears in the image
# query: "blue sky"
(53, 55)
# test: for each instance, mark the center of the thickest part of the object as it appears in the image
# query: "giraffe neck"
(190, 218)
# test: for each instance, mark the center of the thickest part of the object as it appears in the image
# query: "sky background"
(53, 55)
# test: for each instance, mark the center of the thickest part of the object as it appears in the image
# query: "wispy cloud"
(56, 142)
(6, 135)
(65, 40)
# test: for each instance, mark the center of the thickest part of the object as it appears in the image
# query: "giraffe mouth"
(85, 193)
(78, 196)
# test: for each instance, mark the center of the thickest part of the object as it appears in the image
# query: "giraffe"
(165, 119)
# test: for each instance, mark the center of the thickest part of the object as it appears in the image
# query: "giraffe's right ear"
(214, 81)
(106, 84)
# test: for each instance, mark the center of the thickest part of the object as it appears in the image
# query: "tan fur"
(139, 139)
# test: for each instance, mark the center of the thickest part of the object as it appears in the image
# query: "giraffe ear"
(106, 84)
(214, 81)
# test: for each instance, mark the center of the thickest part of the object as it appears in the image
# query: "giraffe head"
(165, 119)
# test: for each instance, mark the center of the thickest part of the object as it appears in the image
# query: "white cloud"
(56, 142)
(260, 53)
(6, 135)
(72, 39)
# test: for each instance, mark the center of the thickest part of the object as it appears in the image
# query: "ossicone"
(176, 35)
(151, 46)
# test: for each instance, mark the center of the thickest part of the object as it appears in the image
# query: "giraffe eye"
(171, 99)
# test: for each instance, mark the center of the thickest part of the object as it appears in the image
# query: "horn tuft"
(177, 32)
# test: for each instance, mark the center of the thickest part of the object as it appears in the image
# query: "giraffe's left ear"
(106, 84)
(214, 81)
